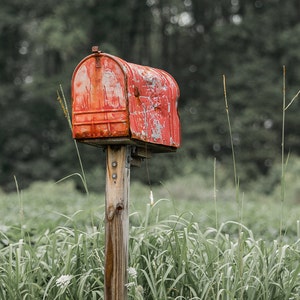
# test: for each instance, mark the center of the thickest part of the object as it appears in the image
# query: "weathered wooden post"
(116, 230)
(131, 111)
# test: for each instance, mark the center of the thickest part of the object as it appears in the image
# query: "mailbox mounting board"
(116, 102)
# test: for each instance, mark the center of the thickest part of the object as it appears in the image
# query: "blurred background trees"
(197, 41)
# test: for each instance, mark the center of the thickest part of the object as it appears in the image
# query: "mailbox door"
(99, 99)
(153, 97)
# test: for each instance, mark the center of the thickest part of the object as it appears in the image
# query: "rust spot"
(98, 62)
(136, 92)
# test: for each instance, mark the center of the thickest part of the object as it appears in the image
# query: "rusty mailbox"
(116, 102)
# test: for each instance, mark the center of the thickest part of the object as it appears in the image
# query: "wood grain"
(117, 222)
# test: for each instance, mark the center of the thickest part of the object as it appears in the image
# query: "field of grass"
(196, 241)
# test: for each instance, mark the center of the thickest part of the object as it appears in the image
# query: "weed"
(63, 103)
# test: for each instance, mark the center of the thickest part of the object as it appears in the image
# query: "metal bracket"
(138, 154)
(128, 156)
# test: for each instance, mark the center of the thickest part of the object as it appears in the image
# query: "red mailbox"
(116, 102)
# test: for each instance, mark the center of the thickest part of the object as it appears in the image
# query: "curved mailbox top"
(114, 101)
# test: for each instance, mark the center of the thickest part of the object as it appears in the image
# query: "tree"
(197, 41)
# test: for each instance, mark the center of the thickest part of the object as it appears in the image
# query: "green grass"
(177, 248)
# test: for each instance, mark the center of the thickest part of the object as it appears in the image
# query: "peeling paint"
(156, 130)
(121, 99)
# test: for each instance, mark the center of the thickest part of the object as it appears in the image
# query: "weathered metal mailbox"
(116, 102)
(131, 110)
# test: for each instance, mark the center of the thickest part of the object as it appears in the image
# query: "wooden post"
(117, 221)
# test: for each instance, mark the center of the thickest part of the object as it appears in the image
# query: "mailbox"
(116, 102)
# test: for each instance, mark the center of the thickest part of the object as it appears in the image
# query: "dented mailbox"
(116, 102)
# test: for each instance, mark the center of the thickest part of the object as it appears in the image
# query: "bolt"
(114, 176)
(114, 164)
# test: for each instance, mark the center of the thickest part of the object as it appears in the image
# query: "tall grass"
(235, 173)
(237, 189)
(33, 270)
(175, 259)
(284, 160)
(170, 258)
(64, 106)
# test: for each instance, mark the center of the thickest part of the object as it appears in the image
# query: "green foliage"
(52, 242)
(196, 41)
(178, 260)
